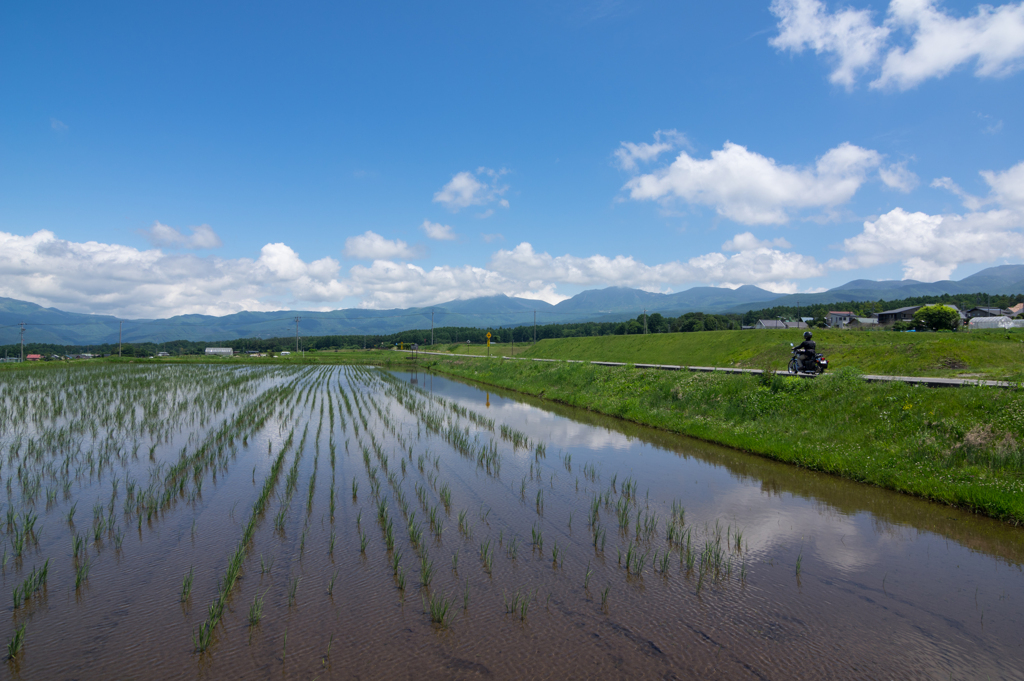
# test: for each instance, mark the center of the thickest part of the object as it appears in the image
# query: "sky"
(172, 158)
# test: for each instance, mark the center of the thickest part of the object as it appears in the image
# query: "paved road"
(918, 380)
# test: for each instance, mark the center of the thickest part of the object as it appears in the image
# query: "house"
(987, 312)
(163, 354)
(1016, 309)
(33, 358)
(220, 352)
(900, 314)
(837, 319)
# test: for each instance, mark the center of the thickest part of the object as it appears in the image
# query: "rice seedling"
(355, 489)
(556, 556)
(664, 565)
(17, 641)
(396, 560)
(426, 569)
(256, 610)
(604, 597)
(446, 496)
(463, 524)
(330, 583)
(799, 561)
(363, 541)
(540, 502)
(401, 579)
(586, 577)
(537, 537)
(487, 555)
(279, 521)
(265, 566)
(440, 609)
(186, 585)
(70, 515)
(455, 562)
(81, 574)
(284, 646)
(293, 588)
(513, 548)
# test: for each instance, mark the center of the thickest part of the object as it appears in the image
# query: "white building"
(220, 352)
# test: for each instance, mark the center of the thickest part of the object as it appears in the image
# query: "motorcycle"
(818, 367)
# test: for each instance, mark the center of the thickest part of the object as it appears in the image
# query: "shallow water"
(887, 585)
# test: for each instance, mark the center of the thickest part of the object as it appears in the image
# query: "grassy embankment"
(978, 354)
(957, 446)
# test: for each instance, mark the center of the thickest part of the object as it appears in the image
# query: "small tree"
(937, 317)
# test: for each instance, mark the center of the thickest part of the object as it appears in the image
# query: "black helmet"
(807, 335)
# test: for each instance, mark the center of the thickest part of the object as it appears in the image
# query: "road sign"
(488, 334)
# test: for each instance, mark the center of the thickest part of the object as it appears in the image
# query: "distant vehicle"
(284, 352)
(818, 365)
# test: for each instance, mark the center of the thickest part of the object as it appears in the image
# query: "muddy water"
(815, 577)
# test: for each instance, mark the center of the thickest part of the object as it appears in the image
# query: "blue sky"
(157, 160)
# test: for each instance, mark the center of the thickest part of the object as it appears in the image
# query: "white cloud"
(993, 37)
(629, 153)
(748, 242)
(203, 236)
(372, 246)
(473, 189)
(849, 36)
(930, 247)
(757, 264)
(438, 231)
(1005, 188)
(896, 176)
(58, 126)
(917, 41)
(753, 189)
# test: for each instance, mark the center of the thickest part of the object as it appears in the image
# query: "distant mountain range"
(50, 325)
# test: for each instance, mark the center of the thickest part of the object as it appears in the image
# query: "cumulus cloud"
(755, 262)
(930, 247)
(438, 231)
(629, 153)
(915, 42)
(372, 246)
(473, 189)
(129, 282)
(753, 189)
(161, 235)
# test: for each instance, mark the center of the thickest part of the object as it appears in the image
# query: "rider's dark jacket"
(808, 347)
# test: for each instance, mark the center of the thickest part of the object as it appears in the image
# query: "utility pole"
(534, 327)
(645, 321)
(22, 341)
(119, 325)
(297, 320)
(431, 327)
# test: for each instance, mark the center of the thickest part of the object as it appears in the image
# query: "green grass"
(987, 354)
(958, 446)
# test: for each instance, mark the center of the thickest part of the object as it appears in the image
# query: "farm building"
(220, 352)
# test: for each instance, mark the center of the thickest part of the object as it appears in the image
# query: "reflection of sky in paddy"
(774, 524)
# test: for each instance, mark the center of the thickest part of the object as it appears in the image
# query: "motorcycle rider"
(806, 351)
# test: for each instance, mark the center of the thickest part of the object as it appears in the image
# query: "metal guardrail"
(871, 378)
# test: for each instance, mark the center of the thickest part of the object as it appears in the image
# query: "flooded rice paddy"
(347, 522)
